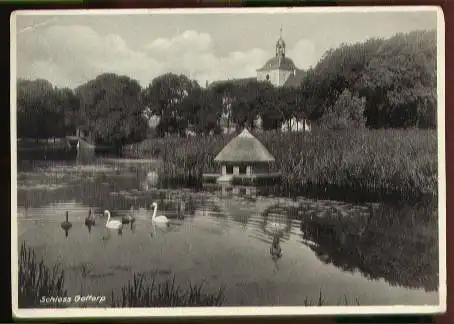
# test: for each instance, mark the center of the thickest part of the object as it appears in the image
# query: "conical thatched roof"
(244, 148)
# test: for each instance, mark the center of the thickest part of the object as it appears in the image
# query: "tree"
(400, 82)
(35, 116)
(270, 107)
(225, 92)
(111, 108)
(164, 97)
(338, 69)
(250, 100)
(348, 111)
(67, 108)
(397, 76)
(203, 109)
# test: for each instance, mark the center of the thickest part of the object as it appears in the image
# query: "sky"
(69, 50)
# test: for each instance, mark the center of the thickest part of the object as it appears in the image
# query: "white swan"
(158, 219)
(112, 223)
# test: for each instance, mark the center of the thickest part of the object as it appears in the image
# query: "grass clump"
(36, 280)
(142, 292)
(321, 301)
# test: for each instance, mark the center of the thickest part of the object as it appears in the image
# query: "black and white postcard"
(218, 162)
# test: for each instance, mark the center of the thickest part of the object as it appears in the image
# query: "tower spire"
(280, 45)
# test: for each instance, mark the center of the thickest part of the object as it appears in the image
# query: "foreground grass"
(36, 279)
(150, 293)
(348, 165)
(321, 301)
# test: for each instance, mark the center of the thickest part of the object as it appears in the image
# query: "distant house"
(226, 125)
(153, 121)
(258, 123)
(190, 131)
(83, 133)
(294, 125)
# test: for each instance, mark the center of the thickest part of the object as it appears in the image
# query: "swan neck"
(154, 212)
(108, 216)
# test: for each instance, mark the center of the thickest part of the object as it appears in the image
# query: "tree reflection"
(396, 243)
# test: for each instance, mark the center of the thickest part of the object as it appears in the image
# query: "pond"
(366, 254)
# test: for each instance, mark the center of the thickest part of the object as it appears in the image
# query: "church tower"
(279, 68)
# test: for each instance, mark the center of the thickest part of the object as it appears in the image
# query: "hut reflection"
(228, 191)
(276, 221)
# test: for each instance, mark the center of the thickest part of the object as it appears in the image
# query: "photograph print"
(228, 162)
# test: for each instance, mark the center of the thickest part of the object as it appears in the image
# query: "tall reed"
(36, 280)
(349, 165)
(142, 292)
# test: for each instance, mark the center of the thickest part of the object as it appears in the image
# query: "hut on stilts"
(244, 159)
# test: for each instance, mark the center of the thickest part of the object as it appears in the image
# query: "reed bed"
(36, 279)
(148, 292)
(349, 165)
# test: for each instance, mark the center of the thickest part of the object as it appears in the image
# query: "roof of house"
(295, 79)
(242, 81)
(244, 148)
(282, 63)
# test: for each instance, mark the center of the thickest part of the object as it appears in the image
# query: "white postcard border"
(235, 311)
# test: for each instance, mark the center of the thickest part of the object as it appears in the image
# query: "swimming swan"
(129, 218)
(158, 219)
(90, 219)
(112, 223)
(66, 225)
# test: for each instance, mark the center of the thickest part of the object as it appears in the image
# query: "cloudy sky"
(68, 50)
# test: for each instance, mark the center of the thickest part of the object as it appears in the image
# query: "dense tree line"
(378, 84)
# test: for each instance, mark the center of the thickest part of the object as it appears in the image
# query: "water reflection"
(157, 228)
(276, 250)
(396, 243)
(399, 245)
(107, 236)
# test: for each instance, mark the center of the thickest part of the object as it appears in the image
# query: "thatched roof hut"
(244, 148)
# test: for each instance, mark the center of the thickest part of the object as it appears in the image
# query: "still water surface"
(366, 254)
